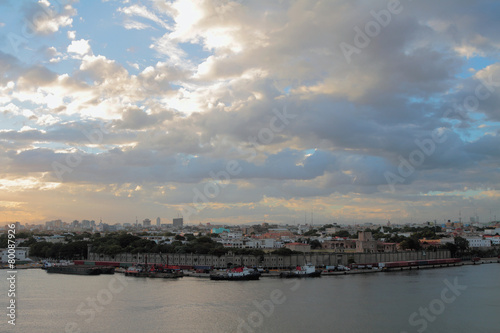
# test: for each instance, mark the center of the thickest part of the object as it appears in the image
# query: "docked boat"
(164, 272)
(307, 270)
(107, 270)
(237, 274)
(72, 269)
(138, 270)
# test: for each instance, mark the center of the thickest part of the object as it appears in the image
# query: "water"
(382, 302)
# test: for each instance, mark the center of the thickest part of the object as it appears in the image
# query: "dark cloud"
(274, 93)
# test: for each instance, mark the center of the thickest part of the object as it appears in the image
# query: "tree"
(462, 244)
(4, 241)
(28, 242)
(205, 239)
(411, 243)
(315, 244)
(312, 232)
(126, 239)
(284, 252)
(23, 234)
(452, 247)
(342, 233)
(190, 237)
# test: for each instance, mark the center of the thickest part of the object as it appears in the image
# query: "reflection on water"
(382, 302)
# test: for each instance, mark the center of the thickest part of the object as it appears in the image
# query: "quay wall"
(270, 261)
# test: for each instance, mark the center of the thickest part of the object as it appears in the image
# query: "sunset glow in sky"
(243, 111)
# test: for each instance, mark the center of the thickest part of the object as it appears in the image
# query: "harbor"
(52, 302)
(79, 267)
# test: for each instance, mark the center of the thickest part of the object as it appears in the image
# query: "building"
(365, 243)
(340, 245)
(236, 243)
(332, 230)
(426, 243)
(268, 243)
(52, 239)
(492, 232)
(495, 240)
(387, 247)
(146, 223)
(158, 222)
(178, 222)
(219, 230)
(478, 242)
(52, 225)
(277, 235)
(21, 253)
(298, 247)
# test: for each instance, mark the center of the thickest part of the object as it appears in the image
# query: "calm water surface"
(382, 302)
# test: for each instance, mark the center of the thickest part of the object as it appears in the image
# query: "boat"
(138, 270)
(163, 271)
(120, 270)
(237, 274)
(307, 270)
(72, 269)
(107, 269)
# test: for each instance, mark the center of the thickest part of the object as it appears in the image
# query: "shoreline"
(276, 273)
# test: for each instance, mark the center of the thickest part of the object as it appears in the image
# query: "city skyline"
(242, 111)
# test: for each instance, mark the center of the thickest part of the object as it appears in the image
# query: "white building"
(237, 243)
(52, 239)
(251, 243)
(268, 243)
(492, 231)
(21, 253)
(495, 240)
(233, 235)
(478, 242)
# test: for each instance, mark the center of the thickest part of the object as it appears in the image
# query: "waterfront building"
(365, 243)
(340, 245)
(21, 253)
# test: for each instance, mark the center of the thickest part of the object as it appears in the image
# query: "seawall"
(271, 261)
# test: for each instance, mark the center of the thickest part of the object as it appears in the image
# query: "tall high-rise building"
(158, 222)
(178, 222)
(146, 223)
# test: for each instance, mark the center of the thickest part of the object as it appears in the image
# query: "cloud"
(130, 25)
(42, 18)
(80, 47)
(141, 11)
(209, 83)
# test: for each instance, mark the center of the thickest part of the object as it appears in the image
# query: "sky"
(234, 112)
